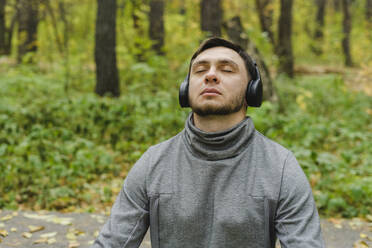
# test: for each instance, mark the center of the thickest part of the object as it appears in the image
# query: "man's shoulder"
(269, 146)
(166, 144)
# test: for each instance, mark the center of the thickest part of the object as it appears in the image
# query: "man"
(218, 183)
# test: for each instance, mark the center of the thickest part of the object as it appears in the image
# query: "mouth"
(210, 92)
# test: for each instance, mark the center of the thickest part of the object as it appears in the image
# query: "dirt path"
(52, 229)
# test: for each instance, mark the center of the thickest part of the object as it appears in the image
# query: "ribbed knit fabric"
(218, 145)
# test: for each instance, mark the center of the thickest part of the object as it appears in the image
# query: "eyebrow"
(222, 61)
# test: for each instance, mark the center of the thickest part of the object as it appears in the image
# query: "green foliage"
(329, 129)
(53, 146)
(58, 140)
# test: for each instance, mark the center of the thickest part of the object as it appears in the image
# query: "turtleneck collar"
(218, 145)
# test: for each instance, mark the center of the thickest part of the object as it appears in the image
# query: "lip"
(210, 92)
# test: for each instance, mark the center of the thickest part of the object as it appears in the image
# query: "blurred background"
(87, 86)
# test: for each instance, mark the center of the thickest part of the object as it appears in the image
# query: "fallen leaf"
(338, 226)
(2, 224)
(71, 236)
(6, 217)
(48, 235)
(40, 241)
(363, 236)
(91, 242)
(335, 221)
(27, 235)
(360, 244)
(73, 244)
(35, 228)
(62, 221)
(50, 218)
(15, 214)
(369, 217)
(96, 233)
(52, 241)
(3, 233)
(13, 229)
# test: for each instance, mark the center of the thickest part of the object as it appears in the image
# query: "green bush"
(54, 145)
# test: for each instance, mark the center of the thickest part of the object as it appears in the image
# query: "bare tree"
(104, 53)
(2, 26)
(137, 8)
(28, 20)
(346, 24)
(319, 20)
(211, 17)
(156, 31)
(237, 35)
(284, 45)
(369, 10)
(265, 13)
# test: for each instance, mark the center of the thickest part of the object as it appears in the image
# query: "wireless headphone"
(253, 94)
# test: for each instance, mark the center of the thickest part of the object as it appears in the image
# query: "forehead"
(218, 54)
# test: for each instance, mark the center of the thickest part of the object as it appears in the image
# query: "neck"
(216, 123)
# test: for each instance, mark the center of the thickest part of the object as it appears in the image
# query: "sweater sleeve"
(129, 219)
(297, 221)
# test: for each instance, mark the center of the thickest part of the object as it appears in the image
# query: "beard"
(232, 106)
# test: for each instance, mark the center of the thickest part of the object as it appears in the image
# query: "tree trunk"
(336, 5)
(2, 27)
(346, 24)
(369, 10)
(237, 35)
(319, 25)
(104, 53)
(27, 27)
(156, 31)
(140, 49)
(265, 14)
(211, 17)
(284, 45)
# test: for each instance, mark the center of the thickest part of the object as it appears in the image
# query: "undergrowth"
(54, 145)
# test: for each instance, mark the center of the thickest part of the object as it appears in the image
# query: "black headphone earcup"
(254, 93)
(183, 96)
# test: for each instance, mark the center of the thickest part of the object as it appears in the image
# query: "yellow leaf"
(73, 244)
(369, 217)
(52, 241)
(2, 224)
(7, 217)
(27, 235)
(338, 226)
(15, 214)
(13, 229)
(363, 236)
(360, 244)
(71, 235)
(35, 228)
(3, 233)
(48, 235)
(40, 241)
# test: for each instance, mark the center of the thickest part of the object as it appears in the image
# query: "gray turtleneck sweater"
(234, 188)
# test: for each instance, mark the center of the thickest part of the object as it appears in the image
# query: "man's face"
(218, 82)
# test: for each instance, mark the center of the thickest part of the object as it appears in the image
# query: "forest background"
(87, 86)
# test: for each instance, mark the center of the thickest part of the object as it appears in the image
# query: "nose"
(211, 77)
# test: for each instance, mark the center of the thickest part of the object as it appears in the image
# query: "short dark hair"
(250, 65)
